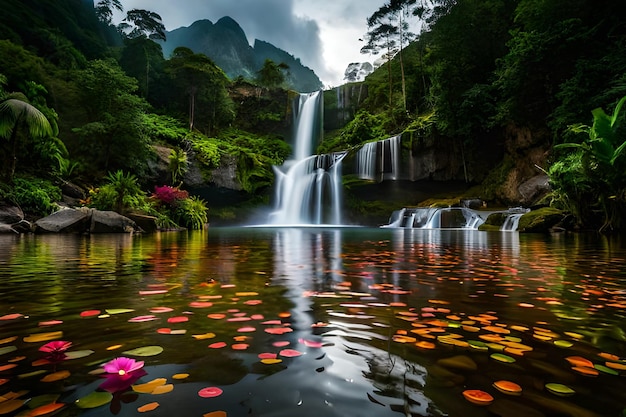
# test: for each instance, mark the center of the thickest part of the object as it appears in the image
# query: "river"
(350, 321)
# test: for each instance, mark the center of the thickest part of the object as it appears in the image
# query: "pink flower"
(58, 346)
(122, 366)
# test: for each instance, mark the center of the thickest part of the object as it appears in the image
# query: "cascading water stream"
(308, 187)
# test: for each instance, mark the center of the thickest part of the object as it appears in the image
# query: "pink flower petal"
(210, 392)
(217, 345)
(155, 310)
(290, 353)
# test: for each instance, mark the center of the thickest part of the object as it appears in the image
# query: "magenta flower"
(58, 346)
(122, 366)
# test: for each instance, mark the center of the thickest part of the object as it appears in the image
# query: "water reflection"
(387, 322)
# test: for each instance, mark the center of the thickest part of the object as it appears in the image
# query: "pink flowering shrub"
(169, 195)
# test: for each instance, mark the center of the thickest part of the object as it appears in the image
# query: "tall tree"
(389, 31)
(105, 8)
(203, 88)
(113, 136)
(18, 118)
(139, 22)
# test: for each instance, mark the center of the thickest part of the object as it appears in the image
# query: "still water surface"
(316, 322)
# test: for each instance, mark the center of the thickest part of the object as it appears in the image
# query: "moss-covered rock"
(540, 220)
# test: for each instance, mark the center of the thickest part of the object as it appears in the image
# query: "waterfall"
(308, 187)
(366, 161)
(437, 218)
(379, 160)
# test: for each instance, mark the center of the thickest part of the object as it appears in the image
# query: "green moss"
(540, 220)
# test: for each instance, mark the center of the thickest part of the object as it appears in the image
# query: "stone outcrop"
(85, 220)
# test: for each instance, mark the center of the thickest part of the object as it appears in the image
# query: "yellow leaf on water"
(215, 414)
(56, 376)
(148, 387)
(163, 389)
(203, 336)
(180, 376)
(43, 337)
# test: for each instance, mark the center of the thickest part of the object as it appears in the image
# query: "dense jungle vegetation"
(85, 102)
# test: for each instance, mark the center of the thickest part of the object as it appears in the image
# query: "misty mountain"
(226, 44)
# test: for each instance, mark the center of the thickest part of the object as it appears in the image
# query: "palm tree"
(16, 113)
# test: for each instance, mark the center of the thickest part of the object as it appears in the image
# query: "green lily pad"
(605, 369)
(77, 354)
(119, 310)
(502, 358)
(560, 389)
(7, 349)
(42, 400)
(563, 343)
(145, 351)
(31, 374)
(95, 399)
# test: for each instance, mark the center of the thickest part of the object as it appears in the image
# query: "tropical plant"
(18, 119)
(121, 194)
(34, 195)
(178, 164)
(192, 213)
(601, 162)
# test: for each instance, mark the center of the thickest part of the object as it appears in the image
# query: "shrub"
(192, 213)
(34, 195)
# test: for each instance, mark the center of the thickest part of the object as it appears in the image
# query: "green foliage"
(113, 135)
(594, 174)
(192, 213)
(121, 194)
(34, 195)
(178, 164)
(365, 127)
(271, 75)
(197, 87)
(163, 128)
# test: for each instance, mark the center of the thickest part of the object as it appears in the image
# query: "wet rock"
(111, 222)
(146, 223)
(10, 214)
(534, 189)
(85, 220)
(64, 221)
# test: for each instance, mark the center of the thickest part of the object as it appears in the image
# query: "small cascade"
(379, 160)
(436, 218)
(511, 222)
(366, 161)
(452, 218)
(308, 187)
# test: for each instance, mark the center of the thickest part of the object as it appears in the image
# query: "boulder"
(534, 189)
(146, 223)
(111, 222)
(64, 221)
(10, 214)
(85, 221)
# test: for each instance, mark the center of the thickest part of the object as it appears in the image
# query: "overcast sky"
(324, 34)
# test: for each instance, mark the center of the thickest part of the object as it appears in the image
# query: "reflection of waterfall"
(379, 160)
(308, 187)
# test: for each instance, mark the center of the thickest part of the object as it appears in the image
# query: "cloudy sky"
(324, 34)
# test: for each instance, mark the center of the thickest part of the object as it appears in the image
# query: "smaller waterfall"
(511, 222)
(452, 218)
(366, 161)
(379, 160)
